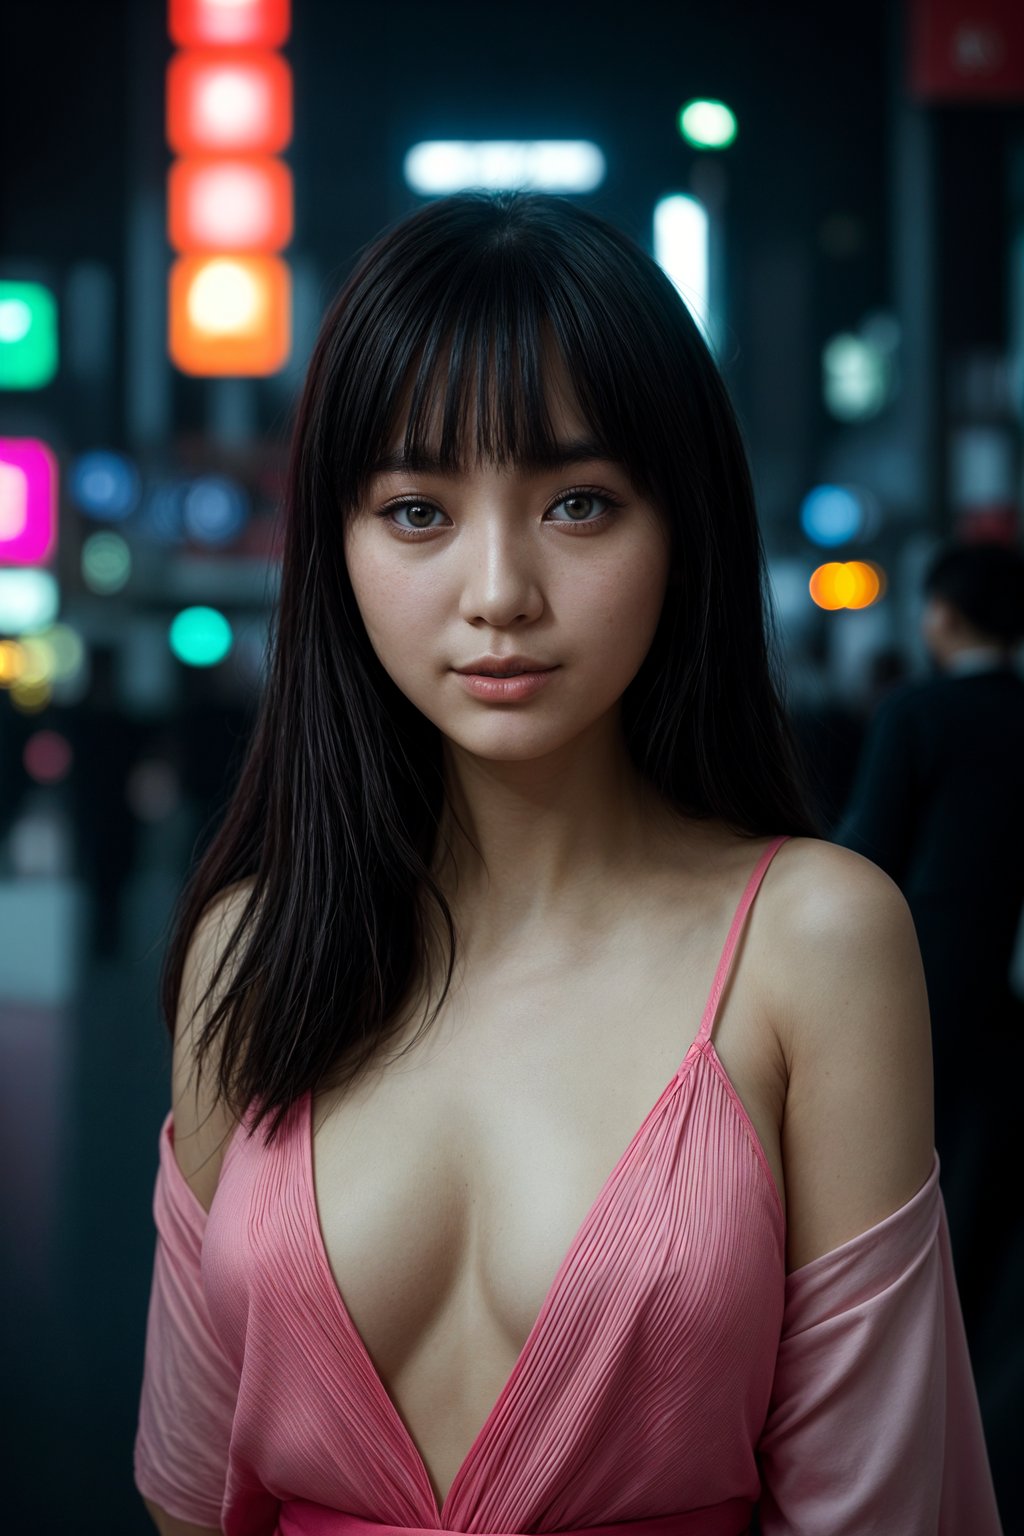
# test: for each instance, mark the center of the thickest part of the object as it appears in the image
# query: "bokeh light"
(28, 335)
(831, 514)
(67, 650)
(29, 599)
(162, 511)
(200, 636)
(854, 377)
(847, 584)
(104, 484)
(229, 205)
(229, 23)
(437, 167)
(47, 757)
(30, 696)
(229, 314)
(28, 501)
(228, 101)
(214, 510)
(681, 250)
(707, 124)
(106, 563)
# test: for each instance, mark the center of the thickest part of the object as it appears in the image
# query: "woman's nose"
(500, 581)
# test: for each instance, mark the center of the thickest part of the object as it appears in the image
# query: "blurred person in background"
(106, 739)
(830, 730)
(938, 803)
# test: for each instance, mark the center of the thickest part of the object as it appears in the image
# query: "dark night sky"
(81, 120)
(79, 116)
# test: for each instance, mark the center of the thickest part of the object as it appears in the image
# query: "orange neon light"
(229, 314)
(847, 584)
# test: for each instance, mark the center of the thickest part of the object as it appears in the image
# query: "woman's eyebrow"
(576, 451)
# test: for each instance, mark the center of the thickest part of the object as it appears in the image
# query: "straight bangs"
(492, 330)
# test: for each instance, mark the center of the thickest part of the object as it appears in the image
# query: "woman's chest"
(451, 1184)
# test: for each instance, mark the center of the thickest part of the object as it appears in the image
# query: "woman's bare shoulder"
(203, 1123)
(818, 885)
(846, 992)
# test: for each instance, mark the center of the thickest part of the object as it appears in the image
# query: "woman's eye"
(420, 513)
(580, 503)
(418, 516)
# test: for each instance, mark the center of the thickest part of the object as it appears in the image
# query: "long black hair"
(333, 820)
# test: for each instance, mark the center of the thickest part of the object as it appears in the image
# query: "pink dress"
(674, 1378)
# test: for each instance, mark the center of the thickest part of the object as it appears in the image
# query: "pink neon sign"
(28, 501)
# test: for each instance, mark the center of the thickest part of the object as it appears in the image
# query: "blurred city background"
(838, 194)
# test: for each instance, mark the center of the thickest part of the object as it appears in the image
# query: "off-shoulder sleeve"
(189, 1387)
(873, 1423)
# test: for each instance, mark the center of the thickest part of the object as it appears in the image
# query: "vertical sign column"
(28, 465)
(229, 197)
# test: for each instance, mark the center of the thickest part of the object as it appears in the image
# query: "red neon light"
(229, 23)
(237, 204)
(231, 101)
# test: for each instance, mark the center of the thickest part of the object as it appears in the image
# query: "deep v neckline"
(305, 1128)
(702, 1045)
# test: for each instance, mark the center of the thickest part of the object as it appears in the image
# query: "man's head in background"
(974, 600)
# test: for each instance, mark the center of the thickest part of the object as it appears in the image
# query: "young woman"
(521, 1174)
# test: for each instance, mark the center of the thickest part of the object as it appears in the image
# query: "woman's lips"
(504, 690)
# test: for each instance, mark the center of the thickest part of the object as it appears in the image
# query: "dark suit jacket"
(938, 803)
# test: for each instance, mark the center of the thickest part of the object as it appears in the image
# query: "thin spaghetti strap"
(735, 928)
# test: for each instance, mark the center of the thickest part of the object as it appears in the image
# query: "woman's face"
(566, 567)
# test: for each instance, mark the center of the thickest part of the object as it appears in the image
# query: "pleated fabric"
(674, 1375)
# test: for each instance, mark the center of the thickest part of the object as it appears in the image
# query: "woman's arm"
(189, 1386)
(850, 1003)
(873, 1422)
